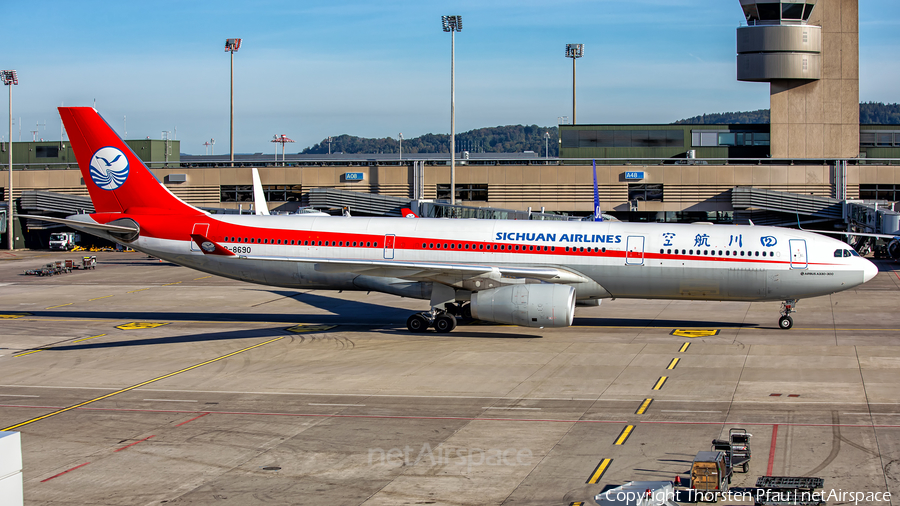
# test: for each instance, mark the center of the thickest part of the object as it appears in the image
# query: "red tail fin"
(118, 181)
(407, 213)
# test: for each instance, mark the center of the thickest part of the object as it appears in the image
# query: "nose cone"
(869, 270)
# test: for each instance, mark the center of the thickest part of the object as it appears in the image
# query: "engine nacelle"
(534, 305)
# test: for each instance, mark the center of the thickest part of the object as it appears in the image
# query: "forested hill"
(501, 139)
(870, 113)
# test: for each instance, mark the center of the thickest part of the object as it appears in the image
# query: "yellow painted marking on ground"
(170, 284)
(624, 435)
(673, 363)
(28, 353)
(61, 305)
(684, 347)
(139, 290)
(204, 277)
(48, 415)
(644, 405)
(660, 382)
(303, 328)
(598, 471)
(87, 338)
(579, 503)
(12, 316)
(98, 298)
(695, 332)
(141, 325)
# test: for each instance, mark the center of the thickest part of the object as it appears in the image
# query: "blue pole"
(598, 216)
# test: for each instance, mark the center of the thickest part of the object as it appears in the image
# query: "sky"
(310, 70)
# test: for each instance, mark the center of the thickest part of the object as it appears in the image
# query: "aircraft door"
(389, 246)
(634, 250)
(798, 253)
(200, 229)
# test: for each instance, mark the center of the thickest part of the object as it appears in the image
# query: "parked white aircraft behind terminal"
(528, 273)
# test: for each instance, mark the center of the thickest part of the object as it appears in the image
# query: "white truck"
(64, 241)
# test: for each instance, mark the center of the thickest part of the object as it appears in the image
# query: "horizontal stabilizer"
(83, 224)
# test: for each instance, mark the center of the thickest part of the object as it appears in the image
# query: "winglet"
(407, 213)
(209, 247)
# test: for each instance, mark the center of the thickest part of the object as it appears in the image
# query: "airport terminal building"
(814, 146)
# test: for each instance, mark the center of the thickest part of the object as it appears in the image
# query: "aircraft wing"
(429, 270)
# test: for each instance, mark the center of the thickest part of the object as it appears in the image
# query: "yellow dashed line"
(98, 298)
(170, 284)
(204, 277)
(684, 347)
(61, 305)
(643, 407)
(140, 384)
(624, 435)
(87, 338)
(660, 382)
(673, 363)
(28, 353)
(596, 475)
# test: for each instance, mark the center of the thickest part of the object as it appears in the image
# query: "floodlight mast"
(10, 78)
(574, 51)
(452, 24)
(232, 45)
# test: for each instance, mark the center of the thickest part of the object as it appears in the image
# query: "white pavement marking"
(322, 404)
(873, 414)
(17, 395)
(170, 400)
(685, 411)
(491, 407)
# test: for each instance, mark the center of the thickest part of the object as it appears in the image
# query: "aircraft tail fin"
(259, 198)
(407, 213)
(117, 180)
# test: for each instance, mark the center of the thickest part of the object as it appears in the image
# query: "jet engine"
(533, 305)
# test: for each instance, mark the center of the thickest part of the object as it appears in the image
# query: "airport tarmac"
(144, 383)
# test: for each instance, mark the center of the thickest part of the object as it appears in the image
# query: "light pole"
(401, 146)
(10, 78)
(574, 51)
(232, 45)
(546, 144)
(452, 24)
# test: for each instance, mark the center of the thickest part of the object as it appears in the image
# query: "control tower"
(808, 50)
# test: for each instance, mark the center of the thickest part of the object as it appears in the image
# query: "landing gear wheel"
(444, 323)
(417, 323)
(785, 322)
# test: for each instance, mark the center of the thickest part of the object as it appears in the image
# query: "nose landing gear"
(787, 307)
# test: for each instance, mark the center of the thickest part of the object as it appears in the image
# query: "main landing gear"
(443, 320)
(787, 307)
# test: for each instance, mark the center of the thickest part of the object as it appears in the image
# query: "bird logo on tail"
(109, 168)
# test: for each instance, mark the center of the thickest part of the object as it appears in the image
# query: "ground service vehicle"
(710, 473)
(736, 449)
(64, 241)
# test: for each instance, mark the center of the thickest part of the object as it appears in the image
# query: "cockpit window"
(854, 253)
(838, 253)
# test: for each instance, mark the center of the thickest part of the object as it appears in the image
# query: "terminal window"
(477, 192)
(572, 138)
(725, 138)
(273, 193)
(879, 138)
(46, 152)
(645, 192)
(887, 192)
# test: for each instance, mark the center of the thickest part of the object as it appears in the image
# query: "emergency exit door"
(634, 250)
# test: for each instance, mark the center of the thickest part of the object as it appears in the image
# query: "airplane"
(528, 273)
